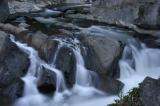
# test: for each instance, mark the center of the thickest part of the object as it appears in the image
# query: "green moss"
(132, 99)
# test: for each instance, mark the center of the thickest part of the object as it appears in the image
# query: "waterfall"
(136, 63)
(83, 87)
(82, 74)
(31, 91)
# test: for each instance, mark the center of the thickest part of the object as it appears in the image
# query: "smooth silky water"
(136, 63)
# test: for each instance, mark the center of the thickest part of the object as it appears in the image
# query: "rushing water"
(82, 90)
(137, 62)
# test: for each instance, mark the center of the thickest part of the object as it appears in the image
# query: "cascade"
(137, 62)
(32, 97)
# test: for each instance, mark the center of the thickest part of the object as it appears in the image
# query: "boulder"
(47, 81)
(149, 92)
(44, 44)
(48, 49)
(144, 13)
(102, 54)
(110, 85)
(66, 62)
(4, 10)
(38, 39)
(13, 65)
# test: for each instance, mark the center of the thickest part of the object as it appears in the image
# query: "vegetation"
(132, 99)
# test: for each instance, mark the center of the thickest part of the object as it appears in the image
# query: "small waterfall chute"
(138, 62)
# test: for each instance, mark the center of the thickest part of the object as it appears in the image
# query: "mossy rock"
(132, 99)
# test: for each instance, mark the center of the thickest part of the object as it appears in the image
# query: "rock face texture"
(144, 13)
(46, 81)
(13, 65)
(21, 7)
(101, 56)
(44, 45)
(149, 92)
(66, 62)
(4, 10)
(76, 1)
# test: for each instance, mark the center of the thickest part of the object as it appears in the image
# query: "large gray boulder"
(45, 46)
(101, 56)
(47, 81)
(66, 62)
(149, 92)
(144, 13)
(4, 10)
(13, 65)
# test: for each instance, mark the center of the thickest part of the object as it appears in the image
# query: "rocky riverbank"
(101, 28)
(146, 95)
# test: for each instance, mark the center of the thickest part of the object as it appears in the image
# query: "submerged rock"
(13, 65)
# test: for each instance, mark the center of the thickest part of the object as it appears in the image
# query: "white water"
(137, 62)
(82, 90)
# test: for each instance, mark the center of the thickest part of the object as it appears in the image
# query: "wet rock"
(42, 43)
(102, 54)
(48, 49)
(75, 1)
(75, 7)
(54, 23)
(50, 13)
(38, 39)
(11, 93)
(47, 81)
(149, 92)
(66, 62)
(3, 44)
(110, 85)
(4, 10)
(13, 65)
